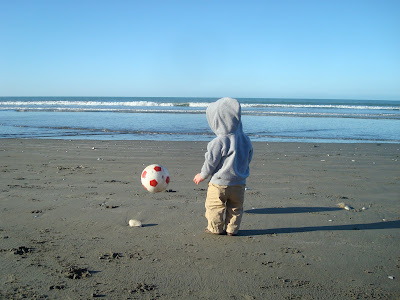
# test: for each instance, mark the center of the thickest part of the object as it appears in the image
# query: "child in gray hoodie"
(227, 163)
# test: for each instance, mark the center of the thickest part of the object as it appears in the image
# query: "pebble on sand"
(135, 223)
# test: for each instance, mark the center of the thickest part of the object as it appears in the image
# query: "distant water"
(183, 119)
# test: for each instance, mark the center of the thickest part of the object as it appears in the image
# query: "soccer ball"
(155, 178)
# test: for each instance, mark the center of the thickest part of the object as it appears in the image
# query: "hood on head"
(224, 116)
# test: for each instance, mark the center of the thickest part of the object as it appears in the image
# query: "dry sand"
(65, 207)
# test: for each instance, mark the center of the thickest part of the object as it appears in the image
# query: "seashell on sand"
(344, 206)
(135, 223)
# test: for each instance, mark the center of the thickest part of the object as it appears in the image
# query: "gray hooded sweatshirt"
(229, 154)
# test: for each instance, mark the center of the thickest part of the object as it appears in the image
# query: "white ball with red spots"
(155, 178)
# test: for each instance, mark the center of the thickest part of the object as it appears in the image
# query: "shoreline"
(65, 206)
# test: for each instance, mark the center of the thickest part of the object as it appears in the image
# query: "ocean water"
(183, 119)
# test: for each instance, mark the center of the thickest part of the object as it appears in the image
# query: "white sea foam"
(198, 104)
(338, 106)
(197, 111)
(85, 103)
(62, 103)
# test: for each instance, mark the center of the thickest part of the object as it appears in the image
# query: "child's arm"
(212, 158)
(251, 154)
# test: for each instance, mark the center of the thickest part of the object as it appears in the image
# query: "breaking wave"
(100, 104)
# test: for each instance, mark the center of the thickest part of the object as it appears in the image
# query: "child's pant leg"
(215, 208)
(234, 208)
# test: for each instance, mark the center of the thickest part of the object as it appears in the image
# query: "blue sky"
(288, 49)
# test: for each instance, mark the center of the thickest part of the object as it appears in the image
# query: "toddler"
(227, 164)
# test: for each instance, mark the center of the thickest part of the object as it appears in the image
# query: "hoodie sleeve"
(250, 153)
(213, 158)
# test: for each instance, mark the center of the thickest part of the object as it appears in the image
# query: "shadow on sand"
(149, 225)
(291, 210)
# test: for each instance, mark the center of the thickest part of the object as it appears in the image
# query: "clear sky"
(206, 48)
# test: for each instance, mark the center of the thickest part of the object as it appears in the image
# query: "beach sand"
(65, 207)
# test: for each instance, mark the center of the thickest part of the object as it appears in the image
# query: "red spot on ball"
(153, 182)
(144, 174)
(157, 168)
(167, 180)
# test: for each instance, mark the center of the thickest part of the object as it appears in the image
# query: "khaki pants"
(224, 200)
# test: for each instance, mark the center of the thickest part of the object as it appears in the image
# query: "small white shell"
(135, 223)
(344, 206)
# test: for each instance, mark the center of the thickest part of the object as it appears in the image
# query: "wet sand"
(65, 207)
